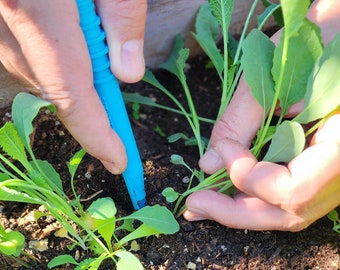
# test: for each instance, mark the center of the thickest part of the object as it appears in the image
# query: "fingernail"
(112, 167)
(132, 56)
(210, 158)
(195, 215)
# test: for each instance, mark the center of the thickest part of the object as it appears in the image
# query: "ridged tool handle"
(109, 92)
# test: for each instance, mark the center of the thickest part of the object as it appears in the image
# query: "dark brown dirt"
(204, 244)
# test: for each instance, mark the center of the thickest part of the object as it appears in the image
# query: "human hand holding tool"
(108, 90)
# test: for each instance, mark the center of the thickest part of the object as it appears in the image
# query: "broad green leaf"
(11, 243)
(303, 50)
(12, 144)
(176, 159)
(4, 176)
(177, 136)
(50, 172)
(103, 208)
(75, 161)
(25, 108)
(106, 228)
(222, 10)
(127, 261)
(157, 217)
(61, 260)
(257, 63)
(171, 64)
(207, 32)
(39, 179)
(288, 141)
(140, 232)
(294, 13)
(170, 194)
(323, 89)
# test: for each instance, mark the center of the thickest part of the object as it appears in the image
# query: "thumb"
(239, 122)
(124, 23)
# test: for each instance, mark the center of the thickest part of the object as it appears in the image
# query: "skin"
(272, 197)
(42, 44)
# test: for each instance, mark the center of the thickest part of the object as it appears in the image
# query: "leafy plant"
(38, 183)
(297, 69)
(11, 242)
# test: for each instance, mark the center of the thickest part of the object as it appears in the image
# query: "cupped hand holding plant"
(42, 44)
(272, 196)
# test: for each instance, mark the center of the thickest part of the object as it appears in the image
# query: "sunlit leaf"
(303, 50)
(103, 208)
(257, 63)
(207, 32)
(294, 13)
(288, 141)
(13, 145)
(25, 108)
(323, 89)
(158, 217)
(127, 261)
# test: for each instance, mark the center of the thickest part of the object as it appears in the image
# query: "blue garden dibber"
(108, 90)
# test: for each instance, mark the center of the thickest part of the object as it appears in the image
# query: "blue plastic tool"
(109, 92)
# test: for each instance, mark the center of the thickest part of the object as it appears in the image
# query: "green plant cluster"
(298, 68)
(35, 181)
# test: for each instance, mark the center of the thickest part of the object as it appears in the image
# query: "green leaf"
(49, 171)
(271, 9)
(75, 161)
(207, 32)
(171, 64)
(303, 50)
(61, 260)
(256, 61)
(25, 108)
(177, 159)
(11, 242)
(294, 13)
(12, 144)
(127, 261)
(4, 176)
(323, 95)
(157, 217)
(177, 136)
(13, 195)
(170, 194)
(181, 62)
(288, 141)
(106, 228)
(140, 232)
(222, 10)
(103, 208)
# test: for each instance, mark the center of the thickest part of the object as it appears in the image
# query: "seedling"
(96, 227)
(298, 68)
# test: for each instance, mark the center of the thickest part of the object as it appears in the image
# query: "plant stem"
(260, 143)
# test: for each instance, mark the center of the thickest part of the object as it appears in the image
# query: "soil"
(198, 245)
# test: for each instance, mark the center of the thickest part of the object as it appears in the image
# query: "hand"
(272, 197)
(42, 44)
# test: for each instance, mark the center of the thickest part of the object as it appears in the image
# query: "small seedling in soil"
(35, 181)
